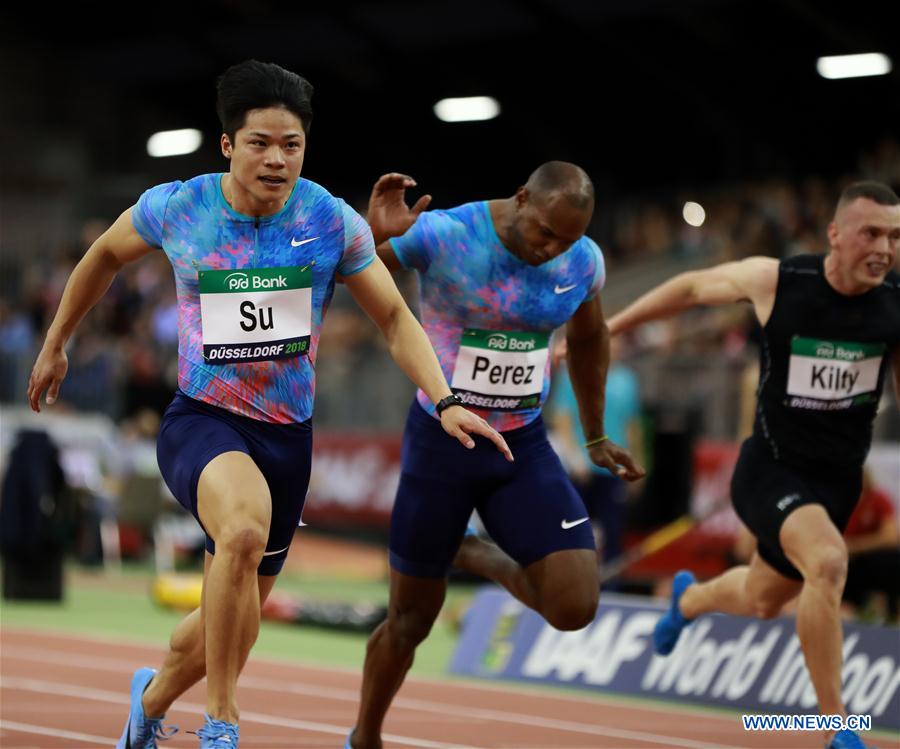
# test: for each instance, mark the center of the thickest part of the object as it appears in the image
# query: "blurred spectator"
(873, 542)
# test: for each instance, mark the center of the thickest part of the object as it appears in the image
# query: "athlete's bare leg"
(563, 587)
(814, 546)
(755, 589)
(413, 607)
(185, 663)
(235, 507)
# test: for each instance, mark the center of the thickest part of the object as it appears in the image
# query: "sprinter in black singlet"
(831, 330)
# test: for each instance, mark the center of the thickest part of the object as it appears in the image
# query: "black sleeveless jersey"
(823, 362)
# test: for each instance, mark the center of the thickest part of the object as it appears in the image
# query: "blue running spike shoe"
(217, 734)
(670, 624)
(846, 740)
(140, 731)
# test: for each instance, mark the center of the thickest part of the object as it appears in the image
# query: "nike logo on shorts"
(566, 524)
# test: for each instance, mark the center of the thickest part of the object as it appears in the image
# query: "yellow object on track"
(180, 591)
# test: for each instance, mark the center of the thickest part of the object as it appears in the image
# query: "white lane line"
(12, 725)
(441, 708)
(247, 716)
(453, 681)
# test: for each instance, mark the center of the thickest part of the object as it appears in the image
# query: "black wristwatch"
(445, 403)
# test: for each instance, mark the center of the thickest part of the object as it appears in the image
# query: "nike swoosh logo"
(566, 524)
(270, 553)
(563, 289)
(295, 243)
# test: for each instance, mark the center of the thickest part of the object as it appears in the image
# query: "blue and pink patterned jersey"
(252, 292)
(488, 314)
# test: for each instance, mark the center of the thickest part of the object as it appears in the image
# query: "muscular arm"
(116, 247)
(754, 279)
(376, 293)
(587, 339)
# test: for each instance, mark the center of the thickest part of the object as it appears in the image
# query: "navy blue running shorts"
(529, 507)
(193, 433)
(764, 491)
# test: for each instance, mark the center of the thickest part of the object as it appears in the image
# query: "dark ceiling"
(646, 94)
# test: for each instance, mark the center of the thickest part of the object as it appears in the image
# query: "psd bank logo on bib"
(243, 282)
(504, 342)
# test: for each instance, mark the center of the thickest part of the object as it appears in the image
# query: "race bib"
(255, 314)
(502, 371)
(832, 374)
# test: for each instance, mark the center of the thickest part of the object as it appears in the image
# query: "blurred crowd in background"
(124, 356)
(672, 382)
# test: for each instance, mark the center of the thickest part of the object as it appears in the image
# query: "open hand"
(460, 423)
(388, 215)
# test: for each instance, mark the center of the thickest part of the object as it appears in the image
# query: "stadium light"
(467, 109)
(174, 142)
(853, 66)
(693, 213)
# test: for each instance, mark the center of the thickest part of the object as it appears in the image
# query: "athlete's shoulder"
(589, 247)
(807, 264)
(460, 217)
(311, 198)
(201, 184)
(307, 187)
(892, 281)
(197, 191)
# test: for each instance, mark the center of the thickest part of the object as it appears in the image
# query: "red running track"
(62, 691)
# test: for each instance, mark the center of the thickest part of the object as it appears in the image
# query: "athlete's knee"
(828, 567)
(410, 627)
(571, 613)
(246, 542)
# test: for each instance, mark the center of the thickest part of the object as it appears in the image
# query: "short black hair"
(258, 85)
(565, 178)
(877, 192)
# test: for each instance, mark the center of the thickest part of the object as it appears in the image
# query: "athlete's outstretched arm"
(376, 293)
(753, 280)
(388, 214)
(587, 339)
(117, 246)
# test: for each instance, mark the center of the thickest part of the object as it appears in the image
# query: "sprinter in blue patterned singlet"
(256, 253)
(497, 278)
